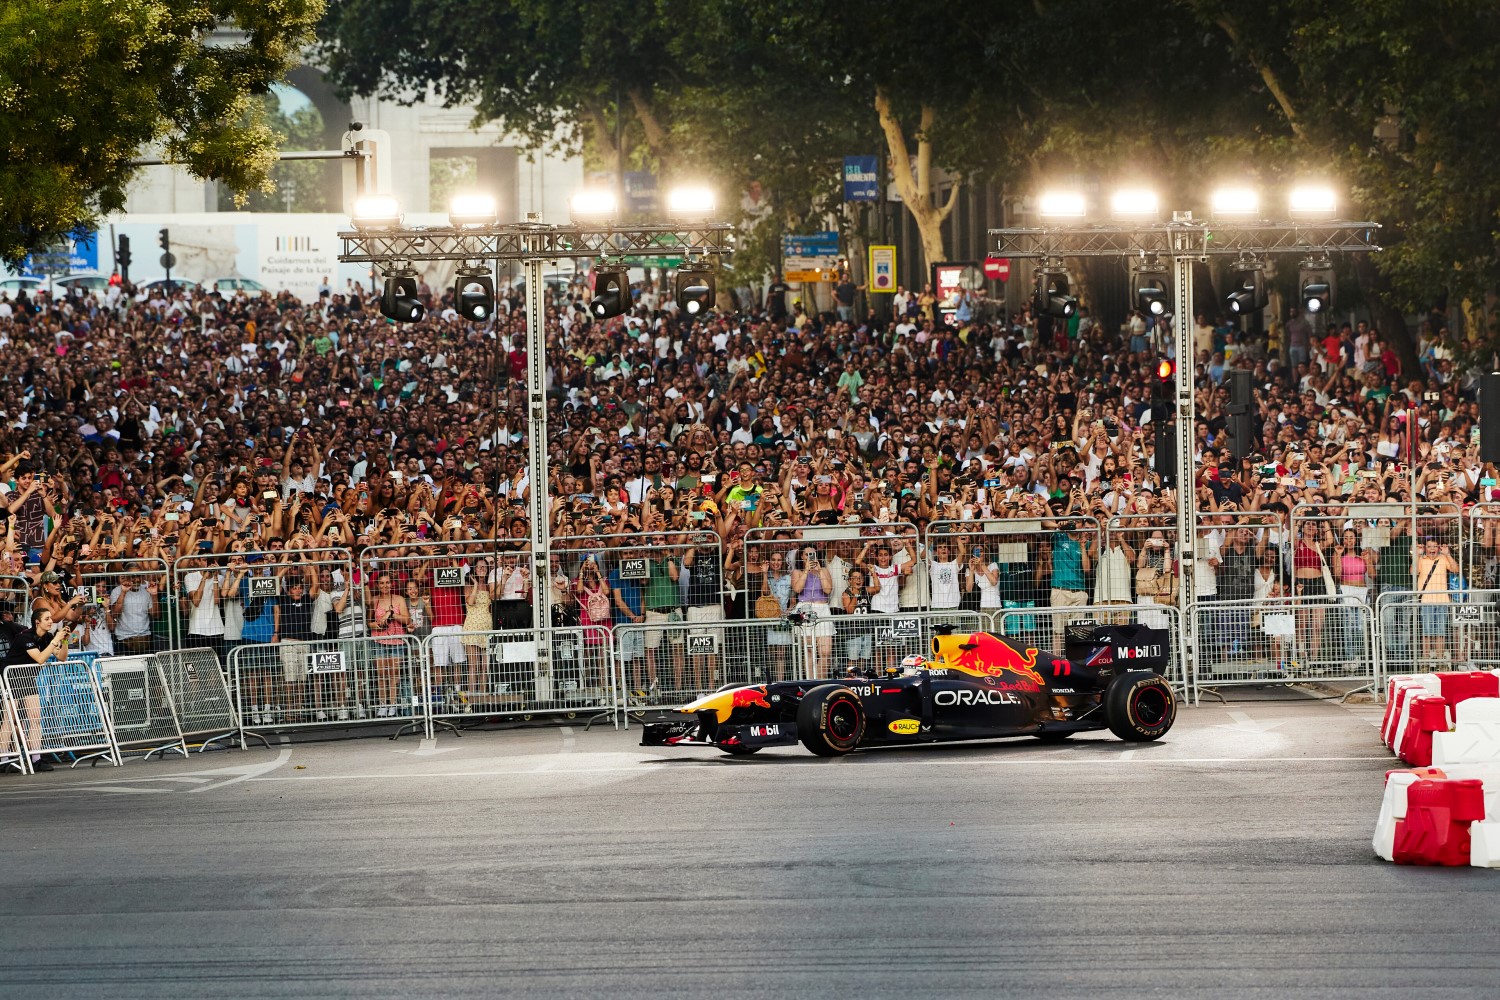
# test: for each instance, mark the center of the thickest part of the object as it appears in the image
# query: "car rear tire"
(830, 720)
(1140, 706)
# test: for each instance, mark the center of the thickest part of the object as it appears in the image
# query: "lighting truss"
(1187, 239)
(524, 241)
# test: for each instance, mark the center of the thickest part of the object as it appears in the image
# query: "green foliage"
(86, 84)
(305, 180)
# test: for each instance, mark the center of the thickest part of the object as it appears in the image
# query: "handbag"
(767, 606)
(1147, 581)
(1328, 585)
(597, 606)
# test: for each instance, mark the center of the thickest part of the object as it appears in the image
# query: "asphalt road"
(1233, 859)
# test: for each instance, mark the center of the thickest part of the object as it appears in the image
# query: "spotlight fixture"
(473, 210)
(1249, 292)
(399, 300)
(1236, 203)
(1313, 201)
(376, 211)
(1135, 204)
(1316, 281)
(611, 291)
(1152, 287)
(1052, 293)
(1062, 205)
(695, 289)
(691, 203)
(474, 294)
(594, 205)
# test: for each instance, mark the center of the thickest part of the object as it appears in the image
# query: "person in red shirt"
(447, 616)
(1332, 346)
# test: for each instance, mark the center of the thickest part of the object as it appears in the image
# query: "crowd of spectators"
(192, 431)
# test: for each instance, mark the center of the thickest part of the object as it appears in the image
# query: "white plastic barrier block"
(1392, 808)
(1475, 738)
(1394, 696)
(1484, 842)
(1489, 774)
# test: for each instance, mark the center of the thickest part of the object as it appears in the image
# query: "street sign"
(326, 662)
(997, 268)
(814, 257)
(168, 261)
(882, 269)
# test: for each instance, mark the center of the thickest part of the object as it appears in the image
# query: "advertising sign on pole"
(882, 270)
(861, 181)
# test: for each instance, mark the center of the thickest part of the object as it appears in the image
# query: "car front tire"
(830, 720)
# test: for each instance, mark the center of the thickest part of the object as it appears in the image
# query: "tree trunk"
(1389, 319)
(603, 133)
(656, 135)
(916, 189)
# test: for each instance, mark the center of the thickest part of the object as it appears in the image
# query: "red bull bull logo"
(985, 655)
(746, 697)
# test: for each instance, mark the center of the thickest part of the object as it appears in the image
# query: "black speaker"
(1166, 443)
(1489, 417)
(1241, 405)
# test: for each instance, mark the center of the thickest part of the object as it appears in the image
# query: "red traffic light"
(1164, 370)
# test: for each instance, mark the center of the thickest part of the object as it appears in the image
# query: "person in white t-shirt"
(945, 574)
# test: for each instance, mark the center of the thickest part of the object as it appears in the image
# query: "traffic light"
(1241, 422)
(695, 289)
(611, 291)
(1164, 394)
(1249, 292)
(399, 300)
(122, 258)
(474, 294)
(164, 240)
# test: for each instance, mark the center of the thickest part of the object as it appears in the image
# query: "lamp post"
(379, 238)
(1239, 233)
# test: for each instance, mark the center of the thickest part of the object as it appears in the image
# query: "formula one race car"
(974, 686)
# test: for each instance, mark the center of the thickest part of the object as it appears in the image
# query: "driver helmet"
(911, 664)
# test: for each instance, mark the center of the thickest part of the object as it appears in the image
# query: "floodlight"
(1135, 203)
(399, 300)
(695, 289)
(1316, 281)
(474, 294)
(594, 205)
(1236, 203)
(1249, 292)
(1313, 201)
(376, 211)
(473, 210)
(1052, 293)
(1061, 205)
(611, 291)
(691, 202)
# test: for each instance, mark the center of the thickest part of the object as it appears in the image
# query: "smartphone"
(699, 515)
(268, 495)
(173, 516)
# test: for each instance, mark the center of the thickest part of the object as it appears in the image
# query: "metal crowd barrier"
(13, 752)
(61, 709)
(370, 680)
(505, 680)
(663, 665)
(17, 591)
(103, 576)
(838, 547)
(1048, 628)
(140, 705)
(1284, 640)
(1017, 547)
(1417, 632)
(200, 696)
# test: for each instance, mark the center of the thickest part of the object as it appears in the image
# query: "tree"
(303, 180)
(1398, 100)
(84, 86)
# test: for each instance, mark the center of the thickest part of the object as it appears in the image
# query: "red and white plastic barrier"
(1436, 815)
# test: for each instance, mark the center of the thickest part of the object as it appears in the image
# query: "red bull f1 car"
(973, 686)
